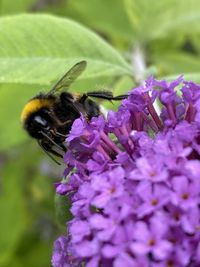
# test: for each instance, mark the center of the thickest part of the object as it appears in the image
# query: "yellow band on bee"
(33, 106)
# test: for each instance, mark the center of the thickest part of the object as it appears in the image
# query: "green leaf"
(12, 207)
(38, 49)
(12, 100)
(39, 254)
(176, 62)
(195, 41)
(155, 19)
(105, 16)
(195, 77)
(62, 206)
(11, 7)
(26, 202)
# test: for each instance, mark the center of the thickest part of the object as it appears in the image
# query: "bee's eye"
(41, 121)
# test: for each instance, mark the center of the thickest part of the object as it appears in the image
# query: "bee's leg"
(63, 147)
(49, 151)
(55, 153)
(56, 133)
(50, 140)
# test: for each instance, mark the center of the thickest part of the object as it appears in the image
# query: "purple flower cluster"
(134, 182)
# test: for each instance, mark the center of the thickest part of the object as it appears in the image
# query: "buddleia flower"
(133, 180)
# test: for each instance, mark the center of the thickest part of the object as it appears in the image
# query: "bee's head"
(36, 117)
(39, 123)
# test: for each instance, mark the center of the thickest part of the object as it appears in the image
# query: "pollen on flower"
(135, 176)
(170, 263)
(197, 227)
(177, 216)
(185, 196)
(154, 202)
(151, 242)
(112, 190)
(152, 173)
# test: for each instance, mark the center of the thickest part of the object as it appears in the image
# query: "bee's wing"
(69, 77)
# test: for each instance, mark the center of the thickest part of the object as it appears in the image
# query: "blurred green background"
(147, 37)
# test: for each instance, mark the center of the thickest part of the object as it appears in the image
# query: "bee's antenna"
(48, 153)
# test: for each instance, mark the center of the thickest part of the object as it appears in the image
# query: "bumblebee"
(48, 117)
